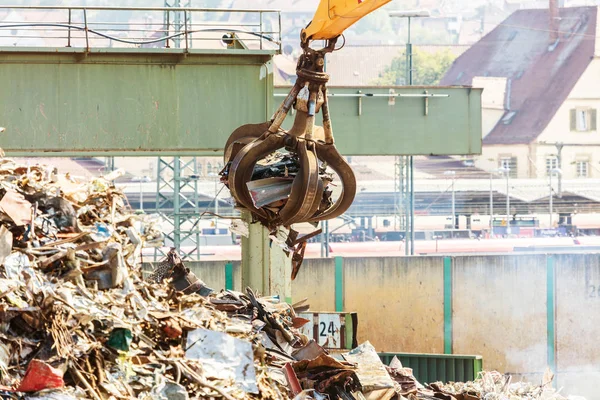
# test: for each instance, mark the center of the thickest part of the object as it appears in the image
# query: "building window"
(582, 168)
(583, 119)
(510, 163)
(551, 163)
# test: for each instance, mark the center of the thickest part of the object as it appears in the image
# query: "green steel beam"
(121, 102)
(403, 125)
(129, 101)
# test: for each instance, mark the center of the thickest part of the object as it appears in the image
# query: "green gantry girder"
(131, 101)
(402, 120)
(68, 101)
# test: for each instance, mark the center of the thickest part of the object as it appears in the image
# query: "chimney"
(554, 23)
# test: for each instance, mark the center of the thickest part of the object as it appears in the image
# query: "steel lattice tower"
(177, 179)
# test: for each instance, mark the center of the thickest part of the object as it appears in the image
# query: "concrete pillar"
(468, 221)
(265, 266)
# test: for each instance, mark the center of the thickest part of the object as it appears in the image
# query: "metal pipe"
(327, 238)
(141, 197)
(185, 30)
(550, 184)
(176, 203)
(69, 39)
(87, 39)
(177, 26)
(507, 204)
(419, 95)
(216, 204)
(279, 27)
(108, 8)
(453, 206)
(559, 147)
(491, 205)
(260, 16)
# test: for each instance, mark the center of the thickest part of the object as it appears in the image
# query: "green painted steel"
(229, 276)
(448, 305)
(551, 312)
(118, 102)
(429, 368)
(371, 126)
(129, 101)
(339, 284)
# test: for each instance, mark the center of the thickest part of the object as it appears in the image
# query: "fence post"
(447, 305)
(229, 276)
(551, 313)
(339, 284)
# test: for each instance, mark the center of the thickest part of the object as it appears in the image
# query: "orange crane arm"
(333, 17)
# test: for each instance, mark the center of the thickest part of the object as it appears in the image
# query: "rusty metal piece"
(244, 133)
(242, 167)
(306, 189)
(292, 379)
(329, 154)
(297, 259)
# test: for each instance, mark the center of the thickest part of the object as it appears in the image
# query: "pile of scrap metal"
(78, 320)
(494, 385)
(489, 385)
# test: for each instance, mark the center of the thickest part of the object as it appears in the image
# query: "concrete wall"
(499, 311)
(520, 312)
(399, 302)
(578, 321)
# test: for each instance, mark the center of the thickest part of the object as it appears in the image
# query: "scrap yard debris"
(80, 320)
(494, 385)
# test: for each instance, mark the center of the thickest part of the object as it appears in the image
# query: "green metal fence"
(429, 368)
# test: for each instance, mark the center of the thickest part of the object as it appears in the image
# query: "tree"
(428, 68)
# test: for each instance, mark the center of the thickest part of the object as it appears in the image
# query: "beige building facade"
(575, 126)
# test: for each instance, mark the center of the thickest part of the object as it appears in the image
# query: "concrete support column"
(265, 267)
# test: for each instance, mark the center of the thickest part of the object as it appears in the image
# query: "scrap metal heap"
(78, 319)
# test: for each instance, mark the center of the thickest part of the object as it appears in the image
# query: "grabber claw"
(312, 146)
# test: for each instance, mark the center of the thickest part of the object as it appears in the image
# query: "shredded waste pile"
(79, 320)
(494, 385)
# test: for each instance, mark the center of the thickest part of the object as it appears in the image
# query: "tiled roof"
(541, 75)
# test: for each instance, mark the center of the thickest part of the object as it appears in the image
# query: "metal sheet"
(407, 125)
(129, 101)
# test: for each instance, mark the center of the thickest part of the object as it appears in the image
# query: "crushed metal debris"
(78, 320)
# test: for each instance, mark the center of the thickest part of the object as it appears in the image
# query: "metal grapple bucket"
(311, 146)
